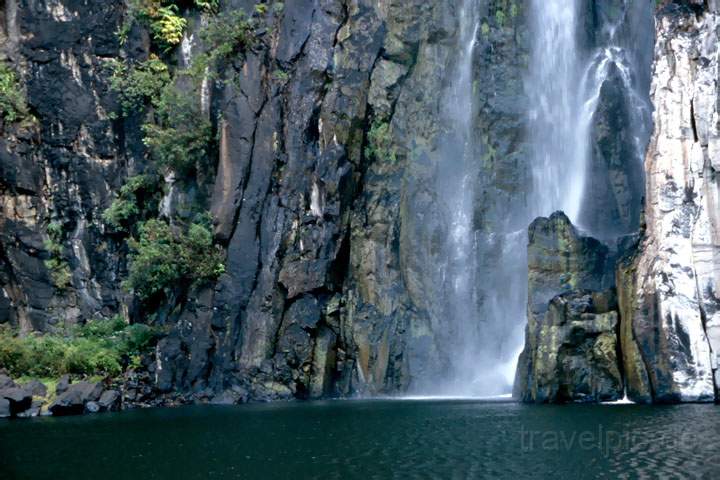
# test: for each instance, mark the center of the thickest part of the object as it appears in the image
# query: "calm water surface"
(369, 440)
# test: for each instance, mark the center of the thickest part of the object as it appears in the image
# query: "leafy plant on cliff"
(139, 83)
(162, 17)
(207, 5)
(380, 143)
(225, 34)
(136, 199)
(99, 347)
(180, 136)
(500, 18)
(12, 98)
(164, 258)
(57, 266)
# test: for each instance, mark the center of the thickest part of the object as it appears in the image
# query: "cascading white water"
(456, 187)
(485, 274)
(557, 137)
(564, 89)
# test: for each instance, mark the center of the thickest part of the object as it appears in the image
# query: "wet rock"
(668, 290)
(65, 81)
(92, 407)
(4, 408)
(6, 382)
(228, 397)
(34, 410)
(18, 398)
(36, 388)
(574, 351)
(561, 259)
(305, 214)
(571, 336)
(74, 399)
(323, 364)
(109, 401)
(62, 385)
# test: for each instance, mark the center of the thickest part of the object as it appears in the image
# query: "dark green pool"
(368, 440)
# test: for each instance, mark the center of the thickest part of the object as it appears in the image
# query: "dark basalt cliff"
(325, 242)
(320, 182)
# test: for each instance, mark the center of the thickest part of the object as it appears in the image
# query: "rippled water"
(370, 440)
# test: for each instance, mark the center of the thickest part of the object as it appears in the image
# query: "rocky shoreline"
(33, 398)
(316, 184)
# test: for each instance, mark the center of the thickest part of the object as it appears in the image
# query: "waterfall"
(558, 126)
(564, 86)
(455, 186)
(484, 275)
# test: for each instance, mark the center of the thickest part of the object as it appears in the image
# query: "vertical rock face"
(669, 290)
(327, 155)
(561, 259)
(571, 338)
(619, 34)
(325, 201)
(61, 164)
(572, 351)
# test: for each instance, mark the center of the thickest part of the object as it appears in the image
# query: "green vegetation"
(12, 98)
(137, 198)
(167, 26)
(281, 76)
(180, 136)
(100, 347)
(164, 258)
(207, 5)
(223, 36)
(162, 17)
(57, 265)
(138, 84)
(500, 18)
(380, 143)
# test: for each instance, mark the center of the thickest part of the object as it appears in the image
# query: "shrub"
(228, 33)
(163, 19)
(100, 328)
(224, 35)
(167, 26)
(12, 99)
(154, 265)
(207, 5)
(137, 84)
(138, 197)
(500, 18)
(162, 258)
(100, 347)
(380, 144)
(181, 134)
(57, 266)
